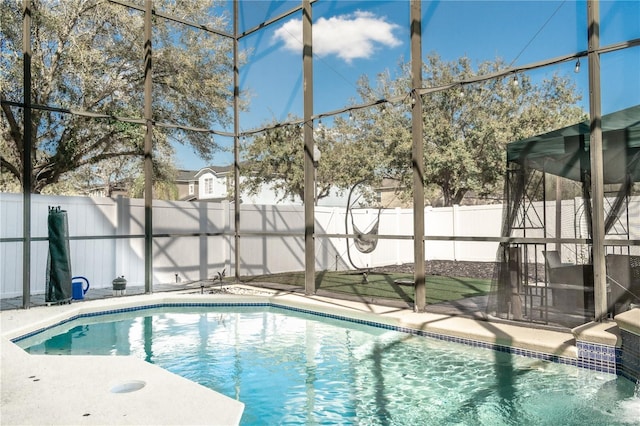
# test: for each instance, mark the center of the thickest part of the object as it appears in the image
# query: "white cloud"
(349, 37)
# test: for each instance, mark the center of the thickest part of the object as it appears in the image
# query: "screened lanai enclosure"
(470, 158)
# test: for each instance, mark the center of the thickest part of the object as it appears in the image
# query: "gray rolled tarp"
(58, 289)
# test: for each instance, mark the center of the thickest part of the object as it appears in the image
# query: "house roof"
(186, 175)
(217, 170)
(191, 175)
(565, 152)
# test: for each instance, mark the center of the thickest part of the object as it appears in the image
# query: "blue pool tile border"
(591, 356)
(599, 357)
(139, 308)
(465, 341)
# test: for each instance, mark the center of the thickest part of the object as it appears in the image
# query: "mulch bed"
(447, 268)
(454, 268)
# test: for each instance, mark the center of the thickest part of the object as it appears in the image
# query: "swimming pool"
(293, 367)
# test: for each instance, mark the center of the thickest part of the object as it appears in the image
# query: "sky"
(352, 39)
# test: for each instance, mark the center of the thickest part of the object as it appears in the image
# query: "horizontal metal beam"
(174, 18)
(99, 115)
(512, 240)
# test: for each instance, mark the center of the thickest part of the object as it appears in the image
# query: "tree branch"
(5, 165)
(14, 128)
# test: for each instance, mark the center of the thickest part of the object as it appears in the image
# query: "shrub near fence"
(194, 240)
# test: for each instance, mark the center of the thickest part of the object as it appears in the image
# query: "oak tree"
(88, 56)
(466, 127)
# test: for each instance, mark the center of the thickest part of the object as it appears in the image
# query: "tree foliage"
(275, 158)
(88, 55)
(466, 129)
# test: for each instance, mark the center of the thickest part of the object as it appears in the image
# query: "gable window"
(208, 185)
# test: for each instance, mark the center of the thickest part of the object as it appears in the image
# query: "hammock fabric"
(363, 240)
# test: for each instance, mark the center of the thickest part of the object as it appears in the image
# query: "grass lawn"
(383, 285)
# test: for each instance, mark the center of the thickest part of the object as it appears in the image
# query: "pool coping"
(202, 405)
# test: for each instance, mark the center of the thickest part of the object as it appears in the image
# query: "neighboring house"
(215, 183)
(187, 184)
(211, 183)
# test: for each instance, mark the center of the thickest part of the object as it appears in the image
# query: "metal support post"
(417, 160)
(309, 208)
(27, 149)
(597, 174)
(148, 152)
(236, 146)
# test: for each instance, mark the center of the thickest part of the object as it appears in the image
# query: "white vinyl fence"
(107, 238)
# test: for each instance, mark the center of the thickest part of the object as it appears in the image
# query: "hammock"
(365, 242)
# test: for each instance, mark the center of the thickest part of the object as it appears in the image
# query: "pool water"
(290, 367)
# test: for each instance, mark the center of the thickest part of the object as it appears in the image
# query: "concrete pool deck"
(40, 389)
